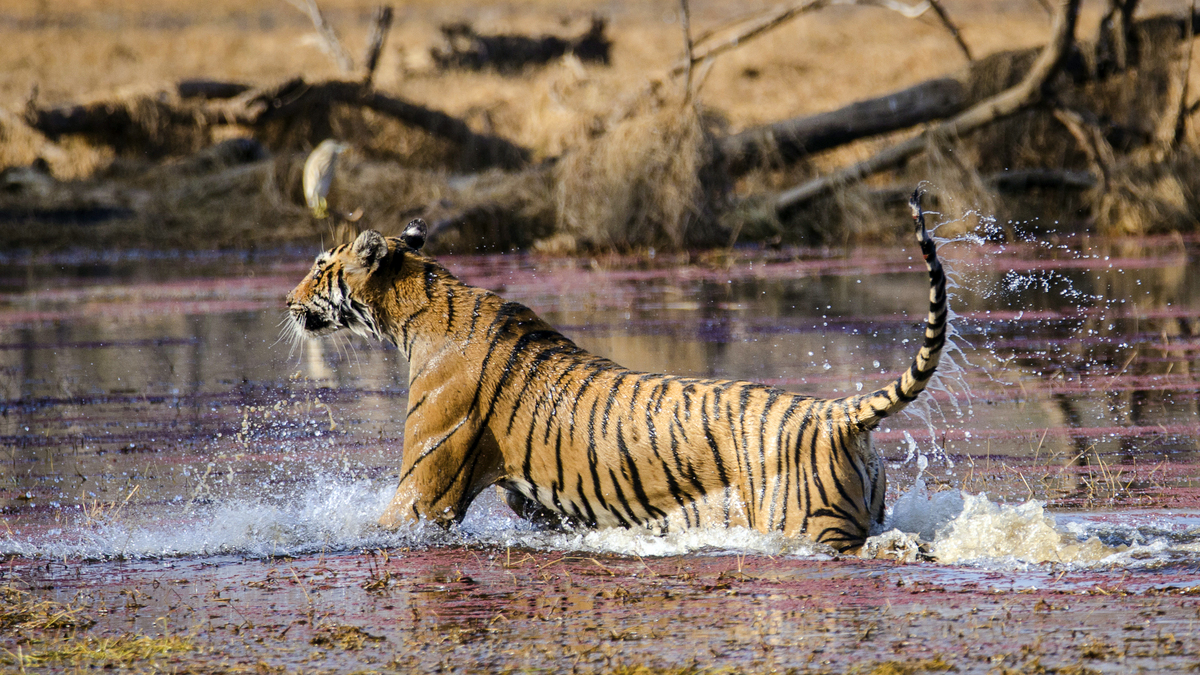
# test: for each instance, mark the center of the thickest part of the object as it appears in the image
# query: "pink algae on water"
(172, 472)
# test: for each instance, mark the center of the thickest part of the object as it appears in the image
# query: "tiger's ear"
(369, 248)
(414, 235)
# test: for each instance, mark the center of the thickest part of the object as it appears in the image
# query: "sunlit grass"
(20, 610)
(107, 651)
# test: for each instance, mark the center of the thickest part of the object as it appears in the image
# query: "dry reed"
(641, 184)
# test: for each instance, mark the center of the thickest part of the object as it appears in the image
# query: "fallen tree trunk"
(1008, 102)
(1017, 182)
(207, 89)
(297, 96)
(155, 122)
(790, 140)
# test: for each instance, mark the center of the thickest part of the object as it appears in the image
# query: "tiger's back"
(669, 453)
(498, 396)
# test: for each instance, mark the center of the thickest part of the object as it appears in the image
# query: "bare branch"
(1181, 114)
(685, 19)
(1091, 140)
(945, 18)
(907, 11)
(763, 25)
(788, 140)
(329, 40)
(1010, 101)
(768, 21)
(381, 23)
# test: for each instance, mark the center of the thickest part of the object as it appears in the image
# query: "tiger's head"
(344, 289)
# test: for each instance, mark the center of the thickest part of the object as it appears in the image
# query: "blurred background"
(584, 126)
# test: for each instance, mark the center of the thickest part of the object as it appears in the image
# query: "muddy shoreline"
(499, 610)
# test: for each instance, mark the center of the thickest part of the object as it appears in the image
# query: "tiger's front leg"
(445, 466)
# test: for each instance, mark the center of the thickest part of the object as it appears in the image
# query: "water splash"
(958, 528)
(341, 515)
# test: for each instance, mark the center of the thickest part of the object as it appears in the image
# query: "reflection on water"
(144, 391)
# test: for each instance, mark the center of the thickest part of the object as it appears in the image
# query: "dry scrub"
(617, 159)
(647, 182)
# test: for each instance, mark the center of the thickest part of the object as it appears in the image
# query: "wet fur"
(497, 396)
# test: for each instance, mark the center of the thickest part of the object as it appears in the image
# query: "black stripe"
(412, 406)
(430, 279)
(803, 499)
(812, 450)
(743, 400)
(635, 478)
(341, 281)
(853, 539)
(712, 444)
(424, 455)
(587, 505)
(594, 463)
(690, 475)
(559, 483)
(531, 371)
(584, 385)
(548, 396)
(475, 316)
(612, 397)
(772, 397)
(404, 330)
(834, 511)
(633, 518)
(838, 444)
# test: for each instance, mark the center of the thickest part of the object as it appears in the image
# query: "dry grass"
(641, 184)
(130, 650)
(636, 180)
(935, 665)
(343, 636)
(20, 610)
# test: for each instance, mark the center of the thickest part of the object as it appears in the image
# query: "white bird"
(318, 174)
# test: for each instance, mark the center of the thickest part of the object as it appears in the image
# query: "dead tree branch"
(210, 89)
(1115, 31)
(1023, 180)
(789, 140)
(954, 32)
(381, 23)
(685, 15)
(111, 122)
(297, 96)
(1181, 116)
(1091, 140)
(1010, 101)
(764, 23)
(329, 39)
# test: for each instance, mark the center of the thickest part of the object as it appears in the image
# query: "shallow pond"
(161, 448)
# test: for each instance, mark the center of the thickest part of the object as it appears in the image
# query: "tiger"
(499, 397)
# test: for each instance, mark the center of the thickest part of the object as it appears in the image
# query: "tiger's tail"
(870, 409)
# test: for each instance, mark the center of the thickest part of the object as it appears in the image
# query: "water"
(150, 417)
(145, 392)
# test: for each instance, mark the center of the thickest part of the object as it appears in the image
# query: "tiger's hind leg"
(534, 512)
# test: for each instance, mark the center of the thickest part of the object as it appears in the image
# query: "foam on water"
(329, 515)
(333, 515)
(961, 528)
